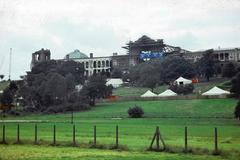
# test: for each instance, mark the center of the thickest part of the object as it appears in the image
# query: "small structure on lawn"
(215, 91)
(149, 94)
(167, 93)
(182, 81)
(115, 82)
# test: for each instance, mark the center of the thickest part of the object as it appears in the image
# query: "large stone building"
(40, 56)
(91, 64)
(138, 51)
(222, 55)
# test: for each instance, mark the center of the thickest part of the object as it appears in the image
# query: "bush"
(182, 89)
(135, 112)
(237, 111)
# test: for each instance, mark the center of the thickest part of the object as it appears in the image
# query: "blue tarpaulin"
(150, 55)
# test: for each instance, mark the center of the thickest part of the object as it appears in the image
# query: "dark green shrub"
(182, 89)
(237, 111)
(135, 112)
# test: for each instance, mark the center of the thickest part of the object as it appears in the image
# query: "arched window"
(86, 64)
(107, 63)
(99, 64)
(110, 63)
(103, 63)
(94, 64)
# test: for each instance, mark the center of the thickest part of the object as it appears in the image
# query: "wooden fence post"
(154, 136)
(186, 139)
(54, 134)
(117, 136)
(157, 137)
(18, 133)
(3, 135)
(35, 133)
(74, 135)
(163, 143)
(95, 136)
(216, 141)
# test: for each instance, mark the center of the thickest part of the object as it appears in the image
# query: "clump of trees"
(229, 70)
(7, 97)
(161, 71)
(135, 112)
(96, 88)
(182, 89)
(206, 65)
(50, 87)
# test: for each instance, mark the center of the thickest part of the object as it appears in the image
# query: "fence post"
(74, 134)
(157, 137)
(154, 136)
(18, 133)
(186, 139)
(95, 136)
(72, 117)
(3, 135)
(216, 141)
(54, 134)
(117, 136)
(35, 139)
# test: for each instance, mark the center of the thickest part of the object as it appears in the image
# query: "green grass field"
(201, 116)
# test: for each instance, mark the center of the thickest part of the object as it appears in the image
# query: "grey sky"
(103, 26)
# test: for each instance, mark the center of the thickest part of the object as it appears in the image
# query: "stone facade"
(222, 55)
(40, 56)
(134, 55)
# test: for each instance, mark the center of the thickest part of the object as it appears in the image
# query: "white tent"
(182, 80)
(149, 94)
(215, 91)
(167, 93)
(115, 82)
(1, 91)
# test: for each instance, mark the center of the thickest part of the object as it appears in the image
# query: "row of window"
(99, 64)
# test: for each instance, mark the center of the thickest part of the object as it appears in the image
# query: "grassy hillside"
(135, 134)
(202, 86)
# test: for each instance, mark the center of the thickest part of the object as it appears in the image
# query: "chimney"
(91, 55)
(115, 54)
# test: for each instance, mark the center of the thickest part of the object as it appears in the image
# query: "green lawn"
(201, 116)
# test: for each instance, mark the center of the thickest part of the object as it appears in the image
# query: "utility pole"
(10, 64)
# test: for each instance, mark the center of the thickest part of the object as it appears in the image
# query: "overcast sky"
(104, 26)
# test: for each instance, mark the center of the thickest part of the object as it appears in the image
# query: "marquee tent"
(167, 93)
(215, 91)
(182, 80)
(149, 94)
(115, 82)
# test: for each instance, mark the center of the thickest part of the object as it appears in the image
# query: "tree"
(229, 70)
(7, 97)
(74, 68)
(95, 88)
(206, 64)
(116, 73)
(56, 88)
(236, 84)
(173, 67)
(237, 111)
